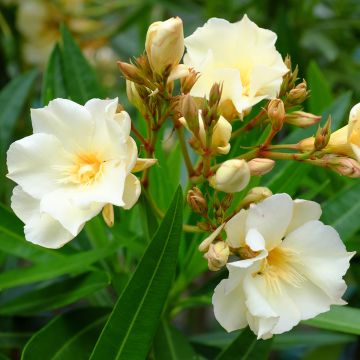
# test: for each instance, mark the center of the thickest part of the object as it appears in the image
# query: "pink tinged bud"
(302, 119)
(259, 166)
(232, 176)
(164, 44)
(343, 166)
(276, 113)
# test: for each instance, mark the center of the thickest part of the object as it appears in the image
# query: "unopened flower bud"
(232, 176)
(196, 201)
(108, 214)
(255, 195)
(189, 81)
(343, 165)
(299, 94)
(134, 97)
(215, 95)
(190, 112)
(165, 44)
(302, 119)
(260, 166)
(276, 113)
(323, 134)
(217, 255)
(142, 164)
(221, 136)
(131, 72)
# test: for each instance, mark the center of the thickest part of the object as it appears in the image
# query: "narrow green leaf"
(56, 295)
(135, 317)
(321, 96)
(67, 337)
(340, 318)
(170, 344)
(246, 347)
(53, 84)
(80, 78)
(49, 270)
(342, 211)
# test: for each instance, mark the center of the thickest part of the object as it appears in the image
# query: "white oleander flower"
(78, 160)
(291, 267)
(240, 55)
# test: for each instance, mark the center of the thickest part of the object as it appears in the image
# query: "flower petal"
(132, 191)
(271, 218)
(235, 229)
(255, 240)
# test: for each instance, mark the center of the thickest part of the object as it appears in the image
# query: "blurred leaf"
(56, 295)
(320, 96)
(149, 219)
(53, 85)
(246, 347)
(80, 79)
(340, 318)
(44, 271)
(67, 337)
(171, 344)
(342, 211)
(134, 319)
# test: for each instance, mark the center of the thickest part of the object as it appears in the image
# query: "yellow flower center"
(279, 266)
(86, 169)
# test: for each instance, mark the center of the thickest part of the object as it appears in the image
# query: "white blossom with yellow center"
(291, 267)
(78, 160)
(240, 55)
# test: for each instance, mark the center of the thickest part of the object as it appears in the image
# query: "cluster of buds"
(197, 202)
(342, 165)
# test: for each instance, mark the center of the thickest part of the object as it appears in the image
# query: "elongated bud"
(134, 97)
(298, 95)
(142, 164)
(221, 136)
(302, 119)
(255, 195)
(196, 201)
(215, 95)
(217, 255)
(276, 113)
(165, 44)
(232, 176)
(343, 165)
(189, 81)
(260, 166)
(323, 134)
(131, 72)
(108, 215)
(190, 112)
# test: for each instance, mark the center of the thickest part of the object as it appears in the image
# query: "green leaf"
(321, 96)
(135, 317)
(57, 267)
(342, 211)
(80, 78)
(246, 347)
(340, 318)
(170, 344)
(56, 295)
(53, 84)
(67, 337)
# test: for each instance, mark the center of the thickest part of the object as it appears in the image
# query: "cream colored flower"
(78, 160)
(291, 267)
(240, 55)
(345, 141)
(232, 176)
(164, 44)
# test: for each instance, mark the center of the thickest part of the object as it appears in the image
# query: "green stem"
(251, 124)
(185, 152)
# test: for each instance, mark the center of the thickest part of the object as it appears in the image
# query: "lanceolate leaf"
(56, 295)
(80, 78)
(67, 337)
(135, 317)
(246, 347)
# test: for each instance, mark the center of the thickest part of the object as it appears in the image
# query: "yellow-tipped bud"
(165, 44)
(221, 136)
(108, 214)
(217, 255)
(232, 176)
(259, 166)
(302, 119)
(142, 164)
(276, 113)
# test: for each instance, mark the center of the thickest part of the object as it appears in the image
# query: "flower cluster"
(284, 264)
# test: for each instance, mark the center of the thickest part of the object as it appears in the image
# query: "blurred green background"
(321, 36)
